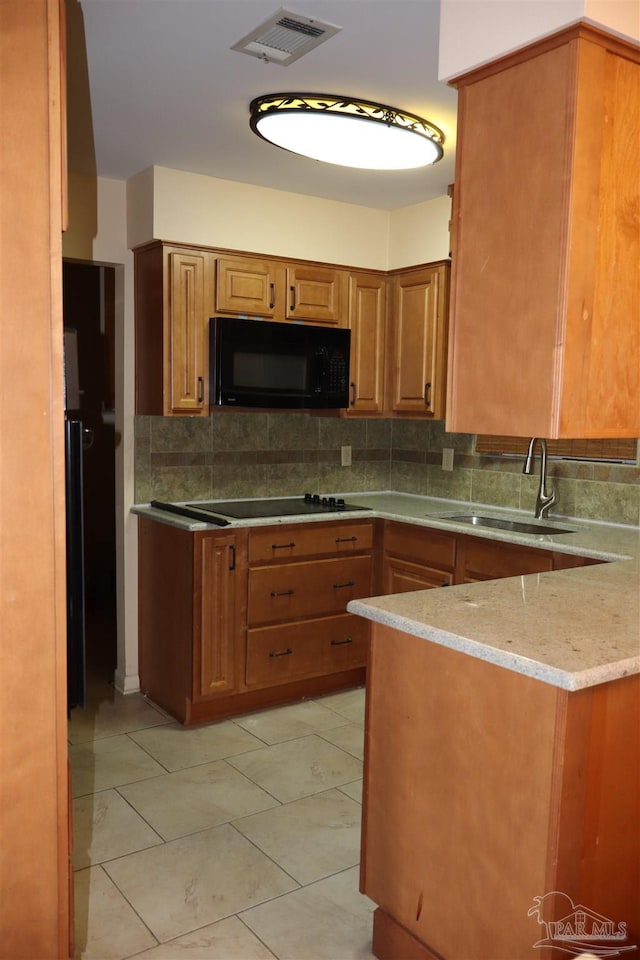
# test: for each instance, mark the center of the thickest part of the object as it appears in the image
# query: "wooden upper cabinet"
(280, 290)
(545, 313)
(174, 300)
(367, 300)
(417, 338)
(244, 285)
(318, 294)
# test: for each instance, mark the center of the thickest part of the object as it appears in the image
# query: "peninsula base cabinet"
(496, 806)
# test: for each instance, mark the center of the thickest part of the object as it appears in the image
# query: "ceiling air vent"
(285, 37)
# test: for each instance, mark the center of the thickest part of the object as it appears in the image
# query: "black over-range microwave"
(263, 363)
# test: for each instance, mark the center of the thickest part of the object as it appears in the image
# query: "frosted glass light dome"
(350, 133)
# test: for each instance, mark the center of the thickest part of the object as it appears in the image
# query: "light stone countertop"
(571, 628)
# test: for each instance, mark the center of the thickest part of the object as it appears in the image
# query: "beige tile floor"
(234, 840)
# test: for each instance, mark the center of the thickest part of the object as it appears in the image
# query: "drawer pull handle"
(283, 593)
(346, 539)
(339, 643)
(200, 389)
(293, 298)
(427, 395)
(282, 546)
(348, 583)
(272, 298)
(353, 394)
(281, 653)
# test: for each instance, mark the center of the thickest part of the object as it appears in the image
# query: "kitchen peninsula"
(502, 763)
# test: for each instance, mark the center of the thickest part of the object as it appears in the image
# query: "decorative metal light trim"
(346, 127)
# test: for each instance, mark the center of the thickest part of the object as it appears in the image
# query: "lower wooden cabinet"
(235, 619)
(225, 628)
(416, 558)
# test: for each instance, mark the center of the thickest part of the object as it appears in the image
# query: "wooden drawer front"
(290, 542)
(420, 544)
(487, 560)
(306, 649)
(290, 591)
(401, 576)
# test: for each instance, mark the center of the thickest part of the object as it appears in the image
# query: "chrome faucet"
(544, 500)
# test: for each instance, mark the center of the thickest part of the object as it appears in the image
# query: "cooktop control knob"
(307, 498)
(316, 498)
(332, 501)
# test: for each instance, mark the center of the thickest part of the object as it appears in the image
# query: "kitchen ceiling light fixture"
(347, 132)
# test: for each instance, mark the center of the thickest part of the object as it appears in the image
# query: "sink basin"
(499, 523)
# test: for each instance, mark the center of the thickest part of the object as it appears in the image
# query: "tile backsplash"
(231, 454)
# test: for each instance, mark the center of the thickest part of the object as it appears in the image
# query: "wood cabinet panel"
(294, 542)
(245, 285)
(293, 590)
(367, 306)
(489, 560)
(190, 297)
(173, 303)
(316, 293)
(545, 336)
(304, 649)
(417, 335)
(401, 576)
(420, 544)
(219, 628)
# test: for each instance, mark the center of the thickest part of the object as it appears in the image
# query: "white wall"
(98, 233)
(184, 207)
(476, 31)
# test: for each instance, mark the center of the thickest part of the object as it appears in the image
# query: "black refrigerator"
(74, 436)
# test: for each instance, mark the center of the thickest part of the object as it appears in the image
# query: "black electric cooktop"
(285, 507)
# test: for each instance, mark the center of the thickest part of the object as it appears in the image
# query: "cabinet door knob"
(281, 653)
(348, 583)
(282, 593)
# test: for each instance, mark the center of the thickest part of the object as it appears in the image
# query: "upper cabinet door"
(418, 334)
(318, 294)
(189, 277)
(254, 287)
(367, 298)
(545, 313)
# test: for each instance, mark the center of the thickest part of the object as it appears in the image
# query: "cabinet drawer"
(290, 591)
(420, 544)
(489, 560)
(306, 649)
(291, 542)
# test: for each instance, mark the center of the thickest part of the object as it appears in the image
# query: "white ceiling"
(154, 82)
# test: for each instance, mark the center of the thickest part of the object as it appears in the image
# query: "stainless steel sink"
(499, 523)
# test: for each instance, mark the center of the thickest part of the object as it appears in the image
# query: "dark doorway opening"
(89, 308)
